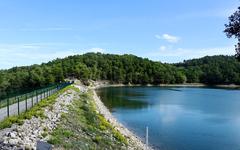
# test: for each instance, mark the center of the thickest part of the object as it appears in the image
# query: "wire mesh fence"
(21, 103)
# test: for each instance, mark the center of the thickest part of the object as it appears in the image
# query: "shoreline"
(135, 142)
(101, 84)
(134, 139)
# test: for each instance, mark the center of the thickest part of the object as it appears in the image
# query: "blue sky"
(162, 30)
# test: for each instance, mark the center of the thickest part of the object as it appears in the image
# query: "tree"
(180, 77)
(121, 69)
(233, 29)
(58, 73)
(35, 77)
(82, 72)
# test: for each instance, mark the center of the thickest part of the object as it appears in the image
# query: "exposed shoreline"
(135, 142)
(121, 128)
(101, 84)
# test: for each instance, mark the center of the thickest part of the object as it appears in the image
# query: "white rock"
(12, 135)
(31, 130)
(13, 141)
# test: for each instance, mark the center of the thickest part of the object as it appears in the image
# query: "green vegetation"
(36, 110)
(121, 69)
(83, 128)
(212, 70)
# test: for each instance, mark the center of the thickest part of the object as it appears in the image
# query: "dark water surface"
(178, 118)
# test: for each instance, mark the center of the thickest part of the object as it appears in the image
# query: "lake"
(178, 118)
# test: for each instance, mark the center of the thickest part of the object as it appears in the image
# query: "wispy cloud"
(169, 54)
(46, 29)
(35, 53)
(158, 36)
(163, 48)
(95, 50)
(168, 38)
(212, 13)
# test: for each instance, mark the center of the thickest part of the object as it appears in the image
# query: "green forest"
(121, 69)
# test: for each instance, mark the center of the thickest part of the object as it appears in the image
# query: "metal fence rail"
(21, 103)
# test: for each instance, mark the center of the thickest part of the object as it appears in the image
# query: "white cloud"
(169, 38)
(158, 36)
(169, 54)
(210, 13)
(36, 53)
(28, 54)
(47, 29)
(95, 50)
(163, 48)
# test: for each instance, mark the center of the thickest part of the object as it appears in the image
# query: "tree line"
(212, 70)
(121, 69)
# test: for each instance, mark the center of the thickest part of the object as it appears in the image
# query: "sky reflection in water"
(179, 118)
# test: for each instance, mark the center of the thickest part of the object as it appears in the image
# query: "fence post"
(37, 95)
(44, 93)
(8, 107)
(26, 102)
(41, 94)
(32, 98)
(47, 92)
(18, 106)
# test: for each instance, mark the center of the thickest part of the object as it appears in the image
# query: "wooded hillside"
(121, 69)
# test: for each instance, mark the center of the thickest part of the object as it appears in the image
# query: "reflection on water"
(179, 118)
(121, 98)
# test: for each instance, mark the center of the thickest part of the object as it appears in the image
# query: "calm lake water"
(179, 118)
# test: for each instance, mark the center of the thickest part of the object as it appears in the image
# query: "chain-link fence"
(21, 103)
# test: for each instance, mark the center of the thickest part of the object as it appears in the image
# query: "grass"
(36, 110)
(83, 128)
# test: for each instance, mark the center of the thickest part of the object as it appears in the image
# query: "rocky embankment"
(25, 136)
(134, 141)
(35, 129)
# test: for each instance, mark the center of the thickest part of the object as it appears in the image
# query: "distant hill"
(121, 69)
(212, 70)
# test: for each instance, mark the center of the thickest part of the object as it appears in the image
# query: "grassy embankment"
(36, 110)
(83, 128)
